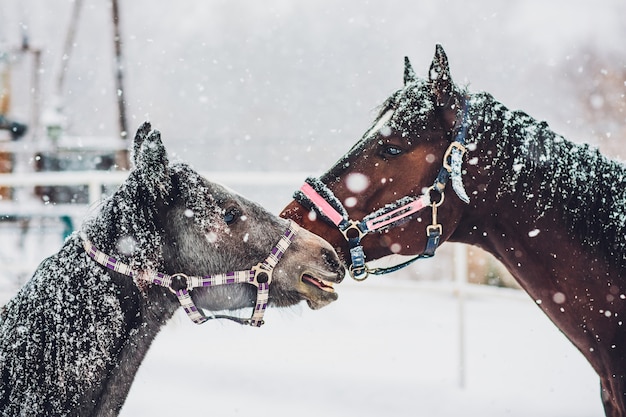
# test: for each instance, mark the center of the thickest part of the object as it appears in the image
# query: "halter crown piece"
(314, 194)
(181, 285)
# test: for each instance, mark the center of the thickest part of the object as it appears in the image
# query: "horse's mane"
(542, 169)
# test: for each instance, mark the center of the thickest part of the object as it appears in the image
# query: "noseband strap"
(353, 231)
(314, 194)
(181, 285)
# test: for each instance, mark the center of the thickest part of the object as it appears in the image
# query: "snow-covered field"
(388, 347)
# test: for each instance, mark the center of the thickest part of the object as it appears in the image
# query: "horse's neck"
(532, 204)
(146, 310)
(553, 213)
(156, 311)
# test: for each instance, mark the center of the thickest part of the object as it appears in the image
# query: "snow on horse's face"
(208, 229)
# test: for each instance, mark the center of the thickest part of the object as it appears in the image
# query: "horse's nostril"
(332, 261)
(341, 273)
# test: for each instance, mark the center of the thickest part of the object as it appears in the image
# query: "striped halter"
(181, 285)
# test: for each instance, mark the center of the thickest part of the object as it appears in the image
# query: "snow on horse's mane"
(587, 187)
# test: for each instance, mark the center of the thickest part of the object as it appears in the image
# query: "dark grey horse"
(72, 339)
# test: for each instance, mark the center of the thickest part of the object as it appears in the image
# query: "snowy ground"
(388, 347)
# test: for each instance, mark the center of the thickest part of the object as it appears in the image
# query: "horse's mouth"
(319, 283)
(319, 299)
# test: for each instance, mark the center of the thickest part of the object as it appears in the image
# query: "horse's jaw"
(308, 273)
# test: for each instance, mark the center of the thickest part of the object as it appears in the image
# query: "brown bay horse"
(553, 212)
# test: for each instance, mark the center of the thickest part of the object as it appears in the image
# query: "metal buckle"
(434, 228)
(446, 156)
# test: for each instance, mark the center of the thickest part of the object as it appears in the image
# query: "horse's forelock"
(414, 107)
(403, 111)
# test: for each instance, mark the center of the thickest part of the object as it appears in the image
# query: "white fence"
(95, 180)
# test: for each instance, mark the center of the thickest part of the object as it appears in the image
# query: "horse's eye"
(391, 150)
(231, 215)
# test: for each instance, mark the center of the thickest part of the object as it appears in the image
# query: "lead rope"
(181, 285)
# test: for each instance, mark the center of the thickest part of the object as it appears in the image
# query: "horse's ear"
(442, 87)
(444, 90)
(151, 161)
(409, 74)
(439, 77)
(140, 137)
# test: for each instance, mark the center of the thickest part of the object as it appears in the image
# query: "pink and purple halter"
(181, 285)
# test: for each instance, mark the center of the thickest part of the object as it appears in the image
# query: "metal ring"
(354, 225)
(262, 268)
(440, 192)
(351, 271)
(185, 281)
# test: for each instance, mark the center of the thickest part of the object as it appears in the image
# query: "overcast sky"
(297, 83)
